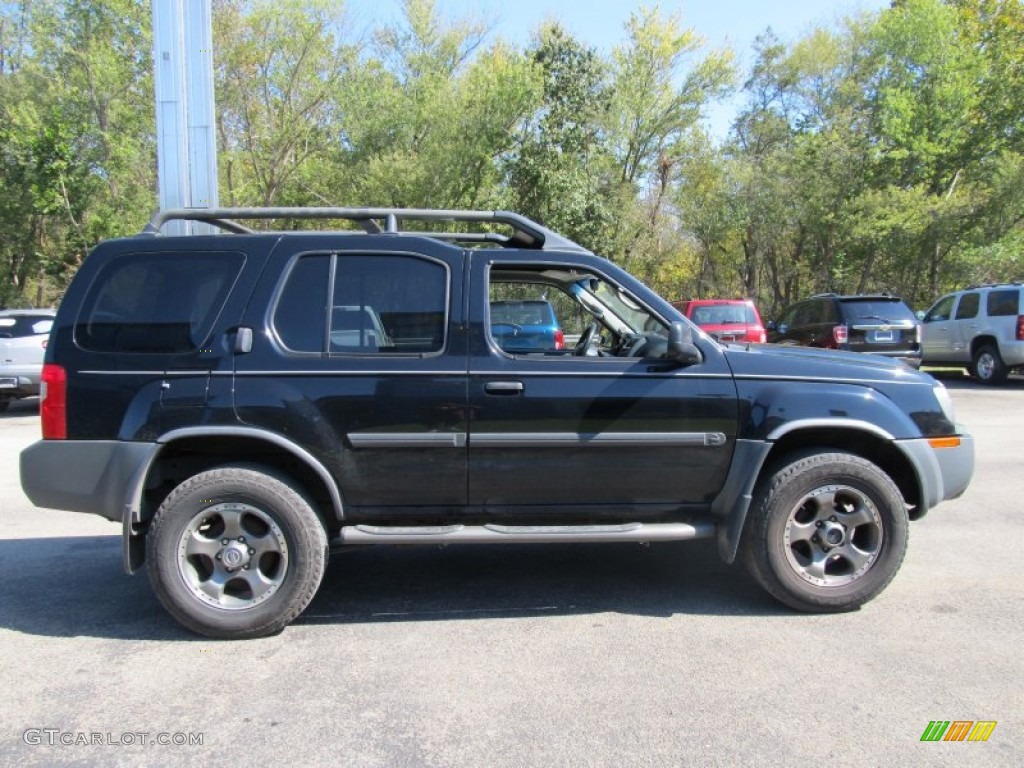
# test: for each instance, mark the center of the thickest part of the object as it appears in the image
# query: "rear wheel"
(988, 366)
(236, 552)
(827, 532)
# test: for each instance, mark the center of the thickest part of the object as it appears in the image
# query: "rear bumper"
(94, 476)
(19, 381)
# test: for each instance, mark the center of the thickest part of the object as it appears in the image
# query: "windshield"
(620, 311)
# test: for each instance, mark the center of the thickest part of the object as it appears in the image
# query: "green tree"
(433, 114)
(660, 88)
(77, 142)
(279, 67)
(559, 174)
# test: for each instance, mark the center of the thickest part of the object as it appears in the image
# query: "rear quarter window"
(21, 326)
(165, 302)
(1003, 302)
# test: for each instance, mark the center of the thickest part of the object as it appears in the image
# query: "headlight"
(945, 401)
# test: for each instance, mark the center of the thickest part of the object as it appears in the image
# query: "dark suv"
(244, 402)
(879, 324)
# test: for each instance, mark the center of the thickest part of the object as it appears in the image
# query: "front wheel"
(236, 552)
(827, 532)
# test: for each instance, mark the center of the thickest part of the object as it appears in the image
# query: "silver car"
(23, 337)
(979, 328)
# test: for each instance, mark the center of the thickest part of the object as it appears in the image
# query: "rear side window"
(156, 302)
(1003, 302)
(21, 326)
(968, 306)
(384, 303)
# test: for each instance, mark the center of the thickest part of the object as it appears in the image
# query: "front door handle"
(243, 340)
(504, 388)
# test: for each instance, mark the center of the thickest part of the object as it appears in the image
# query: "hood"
(807, 362)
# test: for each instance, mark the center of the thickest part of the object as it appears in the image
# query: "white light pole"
(185, 127)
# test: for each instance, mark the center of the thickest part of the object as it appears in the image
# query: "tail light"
(762, 337)
(917, 331)
(559, 339)
(840, 334)
(53, 396)
(1020, 327)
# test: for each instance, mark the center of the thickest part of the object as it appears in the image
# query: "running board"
(523, 534)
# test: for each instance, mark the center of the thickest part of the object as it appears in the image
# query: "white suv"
(980, 328)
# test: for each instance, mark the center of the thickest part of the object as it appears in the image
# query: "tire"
(257, 521)
(816, 498)
(988, 366)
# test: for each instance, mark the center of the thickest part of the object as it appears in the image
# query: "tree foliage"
(884, 152)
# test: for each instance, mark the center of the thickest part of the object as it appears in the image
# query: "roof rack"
(525, 233)
(976, 286)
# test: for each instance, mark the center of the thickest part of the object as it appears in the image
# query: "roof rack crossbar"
(526, 233)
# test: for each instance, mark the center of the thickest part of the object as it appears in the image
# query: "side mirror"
(919, 314)
(680, 345)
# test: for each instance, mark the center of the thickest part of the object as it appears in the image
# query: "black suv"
(879, 324)
(244, 402)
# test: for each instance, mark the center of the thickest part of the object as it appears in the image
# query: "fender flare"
(134, 553)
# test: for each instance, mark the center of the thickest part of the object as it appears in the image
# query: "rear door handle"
(504, 388)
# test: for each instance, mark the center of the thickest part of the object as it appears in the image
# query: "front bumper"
(943, 473)
(95, 476)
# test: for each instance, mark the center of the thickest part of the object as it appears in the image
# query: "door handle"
(243, 340)
(503, 388)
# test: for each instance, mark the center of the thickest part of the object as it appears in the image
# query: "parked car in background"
(725, 319)
(979, 328)
(879, 324)
(526, 326)
(23, 337)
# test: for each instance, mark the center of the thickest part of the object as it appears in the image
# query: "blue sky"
(600, 22)
(732, 23)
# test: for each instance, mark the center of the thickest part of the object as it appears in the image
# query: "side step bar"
(523, 534)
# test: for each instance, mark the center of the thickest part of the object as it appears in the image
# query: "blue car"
(526, 326)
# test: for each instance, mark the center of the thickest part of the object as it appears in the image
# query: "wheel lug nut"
(252, 551)
(818, 524)
(224, 541)
(218, 555)
(242, 538)
(815, 539)
(833, 518)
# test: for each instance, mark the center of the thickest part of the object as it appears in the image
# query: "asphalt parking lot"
(564, 655)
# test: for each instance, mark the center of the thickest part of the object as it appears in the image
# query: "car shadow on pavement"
(28, 406)
(390, 583)
(74, 586)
